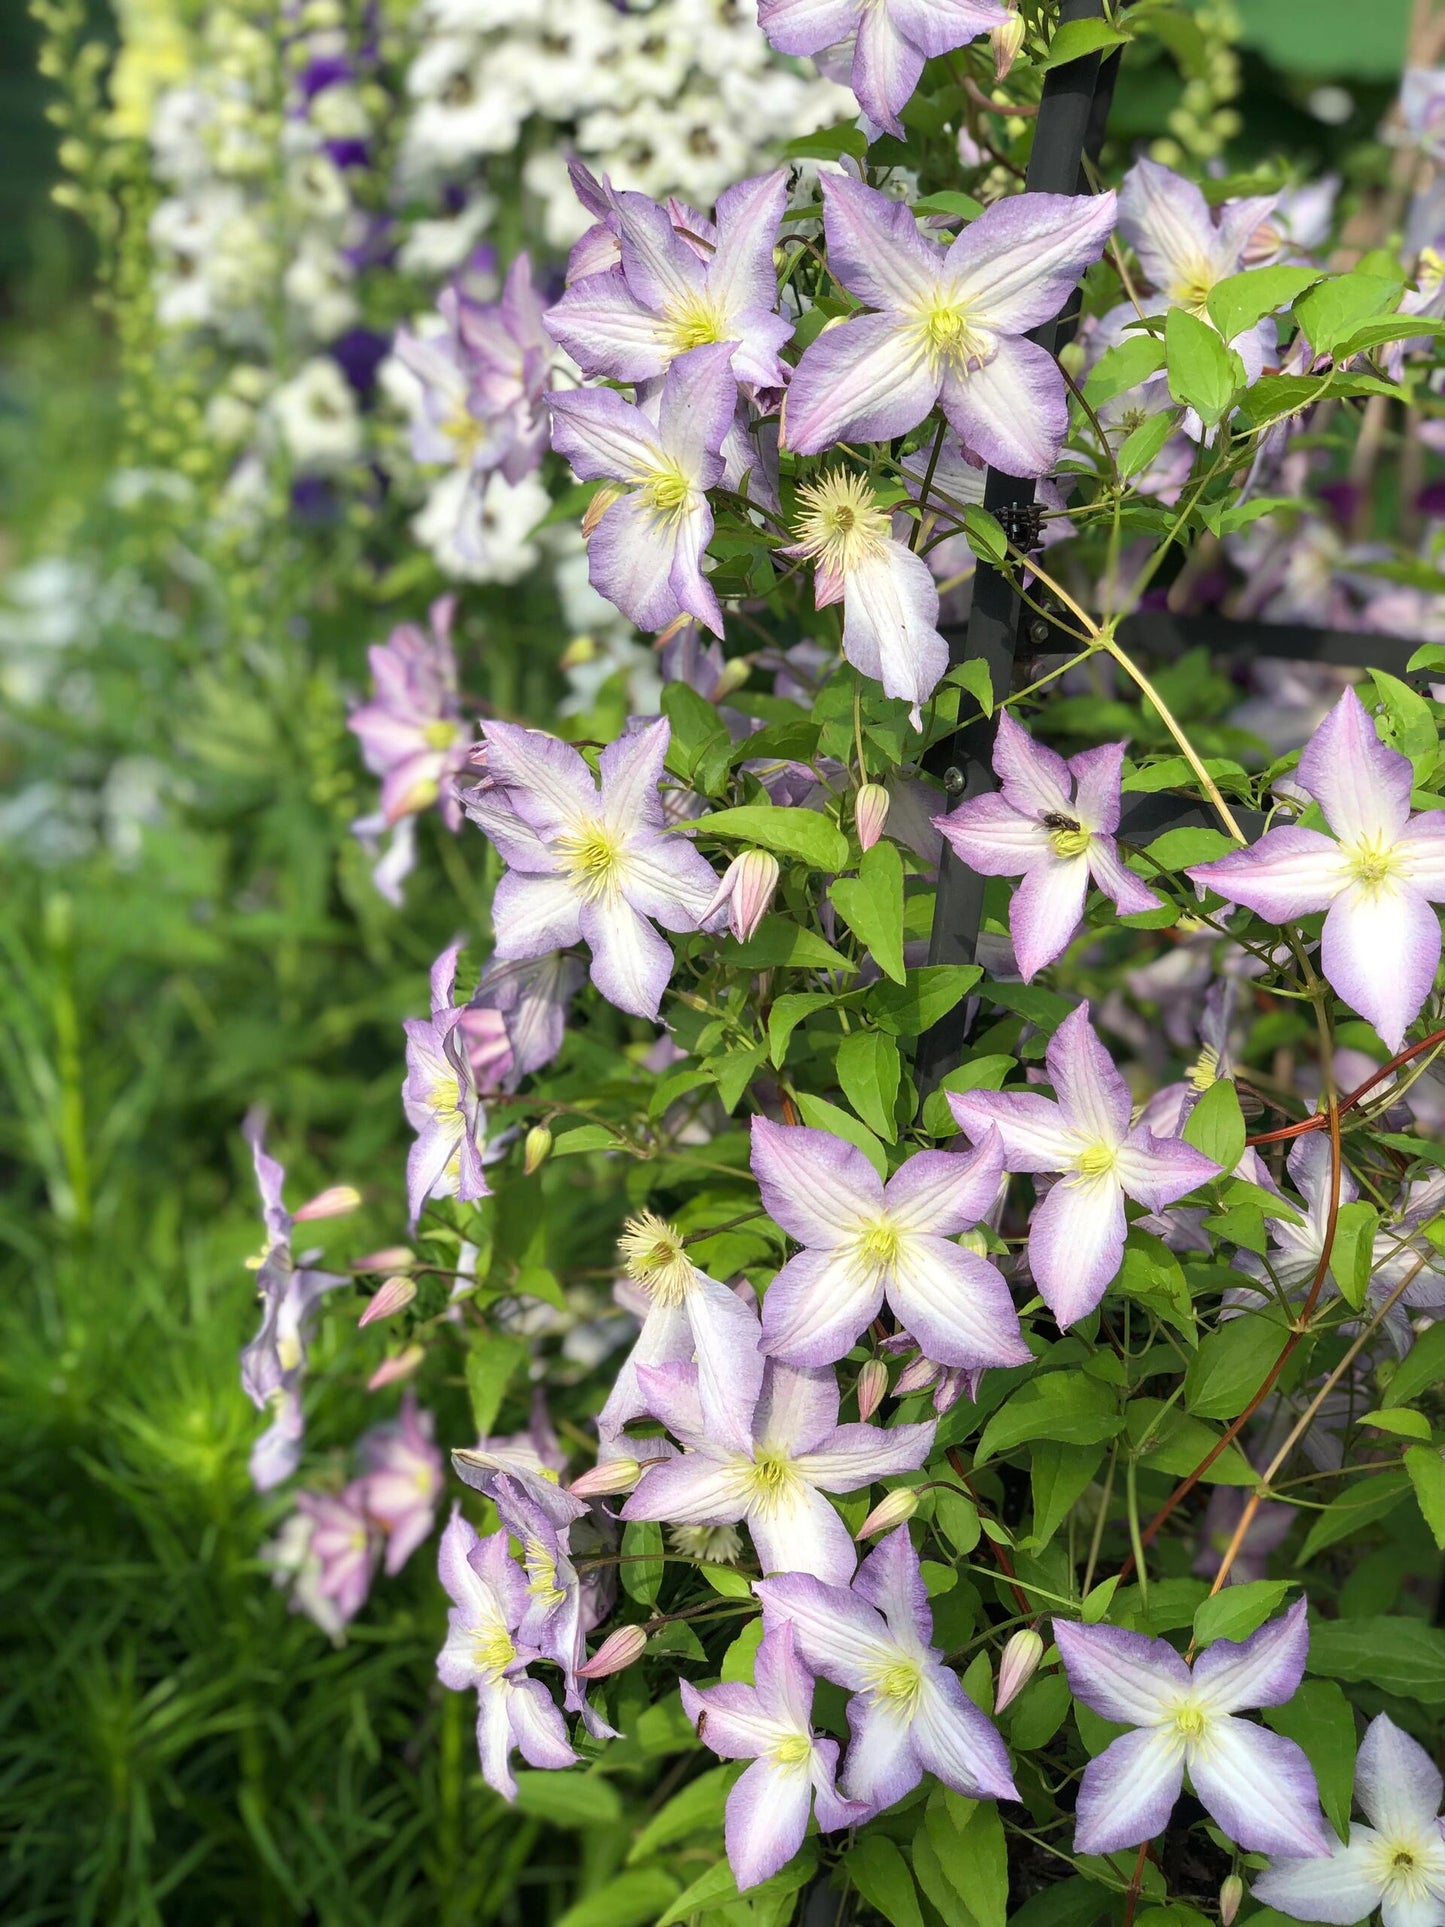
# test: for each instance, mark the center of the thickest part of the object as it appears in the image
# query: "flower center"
(841, 524)
(951, 336)
(441, 735)
(1191, 288)
(1398, 1869)
(492, 1649)
(592, 858)
(542, 1573)
(1431, 270)
(1191, 1722)
(1373, 863)
(465, 432)
(771, 1476)
(1204, 1071)
(1096, 1160)
(696, 323)
(898, 1684)
(879, 1245)
(1068, 839)
(793, 1751)
(668, 492)
(718, 1545)
(653, 1257)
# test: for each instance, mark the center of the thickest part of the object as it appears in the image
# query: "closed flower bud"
(1231, 1892)
(391, 1370)
(890, 1511)
(1007, 39)
(872, 1387)
(1017, 1667)
(870, 813)
(395, 1295)
(605, 1480)
(394, 1258)
(618, 1650)
(747, 889)
(334, 1203)
(735, 673)
(536, 1149)
(915, 1377)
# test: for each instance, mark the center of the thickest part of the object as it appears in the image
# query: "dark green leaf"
(1405, 1657)
(871, 904)
(1427, 1474)
(869, 1070)
(642, 1566)
(1239, 300)
(1339, 306)
(1123, 367)
(1076, 38)
(907, 1010)
(880, 1873)
(1231, 1365)
(1238, 1611)
(490, 1365)
(1216, 1125)
(1359, 1504)
(1204, 372)
(1064, 1406)
(781, 944)
(806, 834)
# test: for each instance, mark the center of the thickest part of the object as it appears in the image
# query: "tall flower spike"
(1256, 1785)
(1052, 823)
(947, 327)
(1376, 877)
(1076, 1239)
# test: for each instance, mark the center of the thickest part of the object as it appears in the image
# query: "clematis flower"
(440, 1099)
(891, 40)
(489, 1601)
(589, 862)
(1396, 1863)
(1051, 822)
(794, 1769)
(403, 1480)
(908, 1715)
(1076, 1238)
(1377, 877)
(517, 1017)
(1266, 1533)
(866, 1241)
(747, 888)
(412, 735)
(645, 549)
(344, 1544)
(947, 327)
(1256, 1785)
(632, 322)
(769, 1463)
(890, 600)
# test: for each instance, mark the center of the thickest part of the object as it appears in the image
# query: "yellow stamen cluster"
(653, 1257)
(770, 1478)
(668, 493)
(1373, 863)
(592, 858)
(898, 1683)
(492, 1649)
(1190, 288)
(695, 322)
(1191, 1722)
(1096, 1160)
(952, 336)
(841, 524)
(1069, 842)
(879, 1246)
(542, 1573)
(1204, 1071)
(793, 1751)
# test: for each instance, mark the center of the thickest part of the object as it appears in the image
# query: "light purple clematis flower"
(1051, 822)
(490, 1601)
(769, 1464)
(891, 39)
(1256, 1785)
(645, 551)
(589, 862)
(440, 1099)
(794, 1769)
(403, 1480)
(411, 733)
(947, 327)
(631, 323)
(866, 1241)
(908, 1715)
(517, 1018)
(1377, 877)
(1396, 1863)
(345, 1545)
(1076, 1238)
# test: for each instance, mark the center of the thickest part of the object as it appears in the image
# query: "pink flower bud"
(1231, 1893)
(1017, 1667)
(872, 1387)
(870, 813)
(915, 1377)
(394, 1258)
(536, 1149)
(395, 1295)
(334, 1203)
(747, 889)
(898, 1505)
(1007, 39)
(618, 1650)
(391, 1370)
(604, 1481)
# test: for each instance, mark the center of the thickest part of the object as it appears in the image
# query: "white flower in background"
(316, 418)
(477, 527)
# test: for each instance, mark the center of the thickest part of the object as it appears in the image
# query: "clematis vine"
(1256, 1785)
(441, 1100)
(1052, 823)
(865, 1242)
(908, 1714)
(1076, 1236)
(948, 327)
(794, 1769)
(1377, 876)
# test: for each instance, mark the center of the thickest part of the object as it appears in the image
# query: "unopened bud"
(973, 1240)
(915, 1377)
(747, 889)
(872, 1387)
(536, 1149)
(735, 672)
(870, 813)
(334, 1203)
(579, 652)
(390, 1370)
(1231, 1893)
(395, 1295)
(606, 1479)
(1007, 39)
(618, 1650)
(603, 500)
(1017, 1667)
(898, 1506)
(394, 1258)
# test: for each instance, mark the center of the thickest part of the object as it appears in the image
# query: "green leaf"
(787, 1013)
(1123, 367)
(1351, 1253)
(1427, 1474)
(1204, 372)
(1238, 1611)
(949, 202)
(936, 1885)
(715, 1890)
(1231, 1365)
(1405, 1657)
(734, 1072)
(1172, 1441)
(1141, 445)
(1340, 305)
(586, 1137)
(974, 677)
(1411, 725)
(1153, 1275)
(569, 1799)
(1176, 849)
(1239, 300)
(806, 834)
(1375, 334)
(985, 535)
(695, 727)
(968, 1838)
(829, 144)
(1071, 1902)
(1039, 1711)
(1321, 1722)
(1064, 1406)
(1216, 1125)
(699, 1805)
(986, 1073)
(880, 1873)
(1060, 1475)
(871, 904)
(824, 1116)
(779, 944)
(870, 1070)
(1421, 1369)
(907, 1010)
(642, 1568)
(490, 1365)
(1359, 1504)
(1077, 38)
(1399, 1421)
(737, 1661)
(627, 1900)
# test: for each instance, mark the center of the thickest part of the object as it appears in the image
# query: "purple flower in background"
(1266, 1533)
(589, 862)
(794, 1769)
(1396, 1863)
(1257, 1786)
(645, 550)
(345, 1545)
(949, 326)
(769, 1463)
(1076, 1237)
(1422, 108)
(440, 1099)
(1377, 876)
(403, 1480)
(1051, 822)
(489, 1602)
(411, 733)
(891, 39)
(517, 1018)
(866, 1241)
(632, 322)
(908, 1715)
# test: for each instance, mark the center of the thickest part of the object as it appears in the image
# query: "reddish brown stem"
(1320, 1119)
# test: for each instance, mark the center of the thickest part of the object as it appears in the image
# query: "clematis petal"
(603, 437)
(607, 331)
(532, 915)
(890, 1578)
(1362, 786)
(1096, 777)
(730, 1366)
(938, 26)
(1158, 1171)
(691, 590)
(855, 1455)
(1130, 896)
(942, 1193)
(807, 26)
(1420, 851)
(537, 1726)
(886, 67)
(1258, 1786)
(817, 1305)
(818, 1187)
(890, 609)
(1013, 411)
(881, 1766)
(1017, 264)
(1287, 874)
(1046, 910)
(630, 560)
(959, 1744)
(868, 379)
(698, 401)
(875, 248)
(1128, 1792)
(1396, 1782)
(631, 964)
(694, 1490)
(1035, 1135)
(741, 274)
(1263, 1670)
(765, 1819)
(836, 1631)
(665, 878)
(1341, 1889)
(546, 777)
(1035, 778)
(993, 837)
(631, 768)
(1166, 220)
(797, 1531)
(1076, 1244)
(798, 1409)
(738, 1727)
(1093, 1095)
(1380, 950)
(494, 1738)
(957, 1305)
(1121, 1675)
